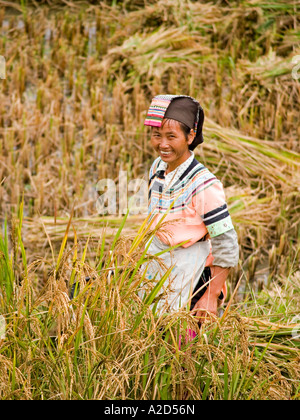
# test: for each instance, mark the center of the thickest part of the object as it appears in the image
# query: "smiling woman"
(185, 193)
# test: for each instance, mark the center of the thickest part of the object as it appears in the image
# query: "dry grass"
(79, 81)
(107, 343)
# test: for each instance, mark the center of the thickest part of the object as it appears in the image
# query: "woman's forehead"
(168, 124)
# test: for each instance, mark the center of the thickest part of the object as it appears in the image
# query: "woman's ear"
(191, 137)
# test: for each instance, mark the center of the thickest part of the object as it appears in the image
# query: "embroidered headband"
(184, 109)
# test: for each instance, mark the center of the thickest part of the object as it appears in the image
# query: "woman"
(184, 193)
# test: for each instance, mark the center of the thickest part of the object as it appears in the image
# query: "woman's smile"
(164, 153)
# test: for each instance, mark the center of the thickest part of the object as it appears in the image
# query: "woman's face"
(170, 142)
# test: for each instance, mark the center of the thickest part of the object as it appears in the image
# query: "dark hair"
(185, 129)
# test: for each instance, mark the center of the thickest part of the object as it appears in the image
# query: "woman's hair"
(185, 129)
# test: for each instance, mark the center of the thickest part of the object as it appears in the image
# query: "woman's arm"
(209, 301)
(225, 251)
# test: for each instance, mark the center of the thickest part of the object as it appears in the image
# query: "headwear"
(184, 109)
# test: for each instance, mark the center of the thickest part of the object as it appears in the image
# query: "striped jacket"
(193, 199)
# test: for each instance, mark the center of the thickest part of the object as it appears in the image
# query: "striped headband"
(159, 106)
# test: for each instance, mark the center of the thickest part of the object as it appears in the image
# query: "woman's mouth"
(164, 154)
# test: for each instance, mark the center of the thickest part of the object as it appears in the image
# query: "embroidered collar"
(173, 176)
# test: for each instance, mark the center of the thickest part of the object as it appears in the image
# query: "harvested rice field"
(76, 80)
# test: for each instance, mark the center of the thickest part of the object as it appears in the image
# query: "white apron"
(188, 265)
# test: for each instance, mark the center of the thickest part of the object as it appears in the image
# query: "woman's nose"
(163, 142)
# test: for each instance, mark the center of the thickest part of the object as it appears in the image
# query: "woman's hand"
(207, 304)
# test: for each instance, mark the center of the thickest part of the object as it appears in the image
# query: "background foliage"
(79, 79)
